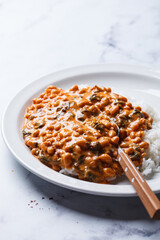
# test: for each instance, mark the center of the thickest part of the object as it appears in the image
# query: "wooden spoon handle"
(148, 198)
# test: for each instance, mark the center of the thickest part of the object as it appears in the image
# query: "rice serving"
(151, 162)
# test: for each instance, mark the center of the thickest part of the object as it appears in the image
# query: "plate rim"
(83, 69)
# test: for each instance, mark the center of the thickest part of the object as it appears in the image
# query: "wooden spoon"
(147, 196)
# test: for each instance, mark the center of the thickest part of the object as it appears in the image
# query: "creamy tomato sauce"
(77, 129)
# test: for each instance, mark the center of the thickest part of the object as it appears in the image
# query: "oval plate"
(138, 82)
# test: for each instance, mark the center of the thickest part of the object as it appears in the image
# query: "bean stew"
(77, 129)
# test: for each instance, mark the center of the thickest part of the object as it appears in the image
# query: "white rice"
(151, 163)
(68, 172)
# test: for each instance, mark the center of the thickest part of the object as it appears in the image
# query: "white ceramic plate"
(138, 82)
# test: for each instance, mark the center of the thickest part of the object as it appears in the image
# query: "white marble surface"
(37, 38)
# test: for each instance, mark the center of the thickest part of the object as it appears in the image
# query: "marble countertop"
(40, 37)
